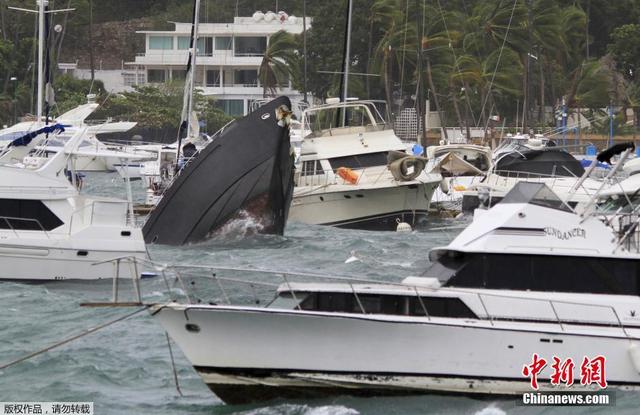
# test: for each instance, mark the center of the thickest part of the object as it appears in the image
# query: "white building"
(229, 57)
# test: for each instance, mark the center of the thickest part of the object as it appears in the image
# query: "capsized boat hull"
(248, 167)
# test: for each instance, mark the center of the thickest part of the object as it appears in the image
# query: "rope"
(493, 77)
(173, 365)
(455, 58)
(70, 339)
(404, 44)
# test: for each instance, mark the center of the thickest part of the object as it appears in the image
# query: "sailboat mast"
(41, 36)
(347, 60)
(194, 54)
(187, 103)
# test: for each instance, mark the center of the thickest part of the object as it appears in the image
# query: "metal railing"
(8, 219)
(120, 218)
(368, 175)
(421, 293)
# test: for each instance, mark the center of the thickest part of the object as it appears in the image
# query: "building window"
(178, 74)
(213, 77)
(246, 77)
(184, 42)
(250, 46)
(30, 215)
(205, 46)
(156, 76)
(224, 43)
(133, 78)
(160, 42)
(232, 107)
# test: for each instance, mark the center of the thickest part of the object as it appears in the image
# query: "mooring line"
(72, 338)
(173, 365)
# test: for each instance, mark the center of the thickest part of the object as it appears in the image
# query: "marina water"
(126, 368)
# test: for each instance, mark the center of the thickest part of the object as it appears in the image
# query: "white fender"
(444, 186)
(634, 354)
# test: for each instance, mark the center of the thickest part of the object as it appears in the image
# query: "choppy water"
(125, 368)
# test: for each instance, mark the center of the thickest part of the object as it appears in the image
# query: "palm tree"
(396, 49)
(278, 63)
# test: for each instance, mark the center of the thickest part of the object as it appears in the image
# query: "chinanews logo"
(566, 235)
(563, 376)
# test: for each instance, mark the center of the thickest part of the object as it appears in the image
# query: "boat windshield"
(535, 194)
(619, 204)
(359, 115)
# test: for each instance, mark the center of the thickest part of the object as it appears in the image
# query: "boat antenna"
(495, 70)
(187, 103)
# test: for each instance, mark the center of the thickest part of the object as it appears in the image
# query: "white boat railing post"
(422, 304)
(585, 213)
(184, 287)
(135, 278)
(355, 294)
(115, 280)
(129, 192)
(484, 306)
(224, 292)
(293, 294)
(624, 330)
(556, 314)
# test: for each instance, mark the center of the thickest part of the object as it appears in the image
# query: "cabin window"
(312, 168)
(338, 302)
(286, 301)
(538, 273)
(160, 42)
(440, 307)
(385, 304)
(224, 43)
(30, 215)
(380, 304)
(360, 161)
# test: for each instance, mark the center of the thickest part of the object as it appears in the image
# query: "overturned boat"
(247, 170)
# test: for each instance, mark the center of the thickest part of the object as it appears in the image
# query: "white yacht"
(49, 230)
(347, 175)
(528, 279)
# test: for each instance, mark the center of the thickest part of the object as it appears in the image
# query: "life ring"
(348, 175)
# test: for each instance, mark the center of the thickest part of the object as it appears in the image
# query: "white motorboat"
(528, 279)
(51, 231)
(461, 166)
(346, 178)
(74, 120)
(554, 167)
